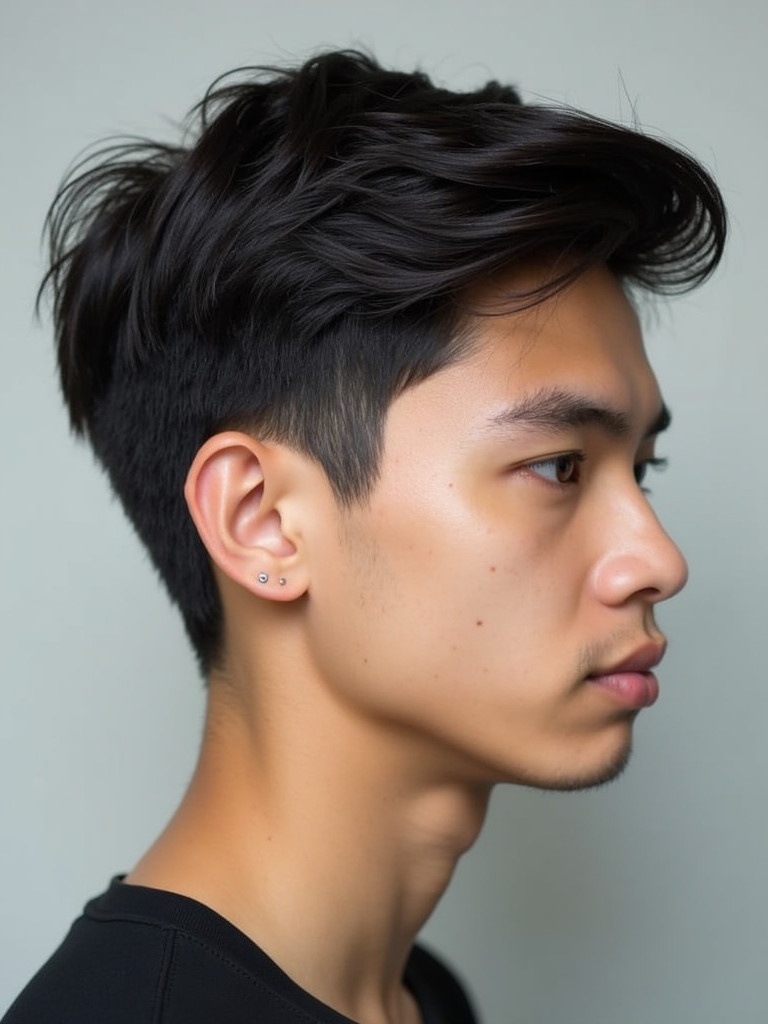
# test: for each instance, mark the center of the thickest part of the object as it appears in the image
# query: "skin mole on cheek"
(493, 568)
(479, 622)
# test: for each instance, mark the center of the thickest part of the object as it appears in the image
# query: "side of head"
(301, 261)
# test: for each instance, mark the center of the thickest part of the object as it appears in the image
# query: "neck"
(326, 839)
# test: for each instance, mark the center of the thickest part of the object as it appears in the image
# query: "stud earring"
(263, 577)
(282, 581)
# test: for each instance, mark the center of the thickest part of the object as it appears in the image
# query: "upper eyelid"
(655, 461)
(575, 453)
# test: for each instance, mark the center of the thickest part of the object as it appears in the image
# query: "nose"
(638, 557)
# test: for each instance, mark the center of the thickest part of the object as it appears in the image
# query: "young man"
(361, 366)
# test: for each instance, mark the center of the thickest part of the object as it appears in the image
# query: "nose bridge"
(637, 556)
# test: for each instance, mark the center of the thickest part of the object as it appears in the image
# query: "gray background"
(644, 903)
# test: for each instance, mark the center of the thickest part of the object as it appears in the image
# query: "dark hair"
(301, 262)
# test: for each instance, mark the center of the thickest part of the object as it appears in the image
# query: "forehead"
(585, 341)
(585, 337)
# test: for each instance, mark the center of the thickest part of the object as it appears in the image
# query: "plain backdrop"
(642, 903)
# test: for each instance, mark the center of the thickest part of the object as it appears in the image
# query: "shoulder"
(142, 956)
(109, 967)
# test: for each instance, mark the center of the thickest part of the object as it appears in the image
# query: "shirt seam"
(163, 984)
(162, 991)
(256, 982)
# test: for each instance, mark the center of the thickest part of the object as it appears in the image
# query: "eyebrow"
(553, 410)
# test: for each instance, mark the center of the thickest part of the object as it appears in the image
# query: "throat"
(331, 859)
(335, 899)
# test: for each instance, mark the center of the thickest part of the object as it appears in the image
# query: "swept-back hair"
(299, 261)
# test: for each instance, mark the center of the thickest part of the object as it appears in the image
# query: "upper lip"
(642, 659)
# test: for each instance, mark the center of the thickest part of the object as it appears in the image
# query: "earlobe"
(237, 491)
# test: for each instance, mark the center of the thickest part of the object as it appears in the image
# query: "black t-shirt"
(144, 956)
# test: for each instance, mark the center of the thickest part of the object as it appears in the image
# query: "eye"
(641, 468)
(559, 469)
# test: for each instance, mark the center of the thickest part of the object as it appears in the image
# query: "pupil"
(565, 464)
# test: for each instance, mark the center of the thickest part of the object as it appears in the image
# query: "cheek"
(387, 622)
(398, 621)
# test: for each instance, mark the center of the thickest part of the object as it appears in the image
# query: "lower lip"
(632, 689)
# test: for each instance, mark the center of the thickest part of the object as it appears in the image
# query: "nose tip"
(641, 561)
(683, 571)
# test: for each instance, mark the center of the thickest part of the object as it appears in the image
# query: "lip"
(644, 658)
(630, 681)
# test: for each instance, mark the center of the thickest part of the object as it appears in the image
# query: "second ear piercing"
(263, 577)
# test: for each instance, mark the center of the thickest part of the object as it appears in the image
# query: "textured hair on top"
(300, 260)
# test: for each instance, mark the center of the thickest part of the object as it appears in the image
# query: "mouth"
(630, 681)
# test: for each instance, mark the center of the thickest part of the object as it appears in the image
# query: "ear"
(241, 494)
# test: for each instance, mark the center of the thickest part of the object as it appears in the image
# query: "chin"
(570, 777)
(601, 775)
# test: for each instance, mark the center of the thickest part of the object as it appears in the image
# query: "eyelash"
(575, 460)
(642, 467)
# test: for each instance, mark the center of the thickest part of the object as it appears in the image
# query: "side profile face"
(493, 603)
